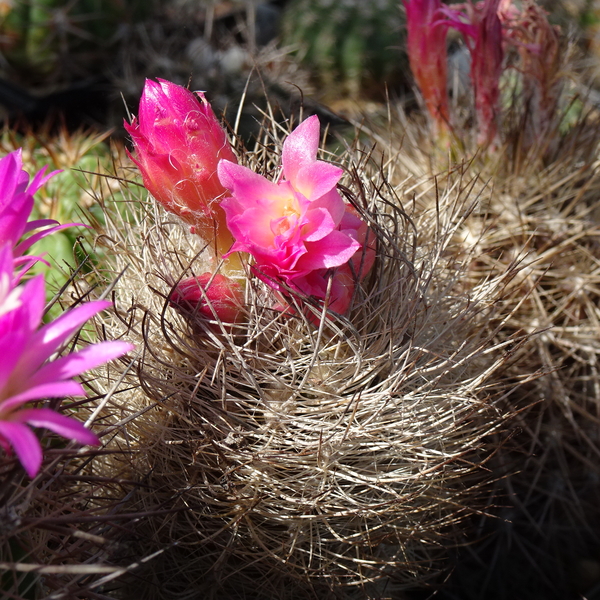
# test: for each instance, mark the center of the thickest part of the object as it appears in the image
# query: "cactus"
(351, 46)
(60, 40)
(71, 196)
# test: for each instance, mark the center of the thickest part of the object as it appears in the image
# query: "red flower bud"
(210, 297)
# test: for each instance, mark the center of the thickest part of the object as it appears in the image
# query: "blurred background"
(81, 58)
(69, 66)
(87, 59)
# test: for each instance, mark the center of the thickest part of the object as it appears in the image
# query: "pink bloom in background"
(487, 57)
(211, 297)
(482, 29)
(29, 370)
(427, 55)
(298, 230)
(16, 204)
(178, 144)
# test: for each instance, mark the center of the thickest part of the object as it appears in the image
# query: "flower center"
(284, 224)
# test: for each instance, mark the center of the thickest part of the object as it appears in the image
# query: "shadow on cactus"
(543, 168)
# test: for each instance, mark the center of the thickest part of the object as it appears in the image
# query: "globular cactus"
(351, 46)
(53, 40)
(300, 462)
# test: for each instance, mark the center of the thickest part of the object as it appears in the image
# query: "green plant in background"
(352, 46)
(70, 196)
(62, 39)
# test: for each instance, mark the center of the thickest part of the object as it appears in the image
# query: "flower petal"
(251, 228)
(13, 218)
(40, 179)
(316, 179)
(11, 347)
(57, 389)
(300, 148)
(66, 427)
(10, 176)
(26, 244)
(331, 251)
(31, 225)
(76, 363)
(320, 224)
(333, 203)
(247, 185)
(25, 443)
(50, 337)
(33, 298)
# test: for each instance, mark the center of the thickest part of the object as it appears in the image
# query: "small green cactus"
(72, 196)
(62, 39)
(352, 46)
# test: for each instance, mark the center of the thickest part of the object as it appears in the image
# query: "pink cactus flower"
(345, 277)
(28, 370)
(427, 55)
(482, 28)
(210, 296)
(16, 204)
(298, 230)
(178, 144)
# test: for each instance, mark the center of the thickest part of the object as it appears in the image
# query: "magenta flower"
(178, 144)
(29, 370)
(298, 229)
(427, 55)
(16, 204)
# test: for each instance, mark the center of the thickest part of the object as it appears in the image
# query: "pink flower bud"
(427, 56)
(210, 297)
(178, 145)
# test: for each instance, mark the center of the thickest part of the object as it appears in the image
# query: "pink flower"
(179, 143)
(210, 296)
(16, 204)
(427, 56)
(298, 230)
(345, 277)
(30, 372)
(482, 28)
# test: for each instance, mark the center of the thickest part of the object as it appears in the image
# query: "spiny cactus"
(62, 40)
(71, 196)
(301, 461)
(351, 46)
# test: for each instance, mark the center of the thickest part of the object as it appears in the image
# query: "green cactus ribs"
(352, 47)
(62, 40)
